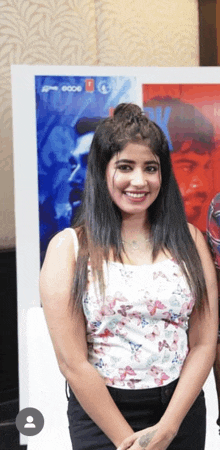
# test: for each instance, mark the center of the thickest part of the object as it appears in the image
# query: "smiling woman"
(130, 298)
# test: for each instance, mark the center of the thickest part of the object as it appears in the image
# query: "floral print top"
(137, 334)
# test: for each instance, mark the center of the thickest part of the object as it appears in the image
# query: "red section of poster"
(189, 115)
(89, 85)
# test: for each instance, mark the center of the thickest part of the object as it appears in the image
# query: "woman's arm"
(203, 328)
(202, 347)
(68, 334)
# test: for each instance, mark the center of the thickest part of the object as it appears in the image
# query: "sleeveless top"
(137, 334)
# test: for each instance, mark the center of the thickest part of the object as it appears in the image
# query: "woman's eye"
(151, 169)
(124, 168)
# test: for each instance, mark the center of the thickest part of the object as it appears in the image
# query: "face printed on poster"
(188, 119)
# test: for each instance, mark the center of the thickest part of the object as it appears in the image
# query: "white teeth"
(132, 194)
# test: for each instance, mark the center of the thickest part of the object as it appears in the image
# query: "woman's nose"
(138, 178)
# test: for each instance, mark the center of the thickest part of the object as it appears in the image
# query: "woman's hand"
(152, 438)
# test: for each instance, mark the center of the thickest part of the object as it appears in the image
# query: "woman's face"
(134, 178)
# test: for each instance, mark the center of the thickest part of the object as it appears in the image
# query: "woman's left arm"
(202, 336)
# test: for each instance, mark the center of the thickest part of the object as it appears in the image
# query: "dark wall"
(8, 327)
(208, 33)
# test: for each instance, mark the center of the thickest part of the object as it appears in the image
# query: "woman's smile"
(136, 196)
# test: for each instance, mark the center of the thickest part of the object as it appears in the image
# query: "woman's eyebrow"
(130, 161)
(152, 162)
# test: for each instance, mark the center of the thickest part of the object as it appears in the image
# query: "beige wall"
(85, 32)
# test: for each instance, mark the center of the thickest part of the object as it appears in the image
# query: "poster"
(67, 112)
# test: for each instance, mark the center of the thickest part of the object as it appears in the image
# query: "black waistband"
(163, 392)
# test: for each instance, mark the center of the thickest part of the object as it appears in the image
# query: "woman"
(135, 336)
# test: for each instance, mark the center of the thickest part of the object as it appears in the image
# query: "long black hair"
(98, 223)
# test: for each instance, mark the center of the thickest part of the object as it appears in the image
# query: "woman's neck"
(135, 233)
(134, 227)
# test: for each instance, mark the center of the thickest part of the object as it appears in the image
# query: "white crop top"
(137, 335)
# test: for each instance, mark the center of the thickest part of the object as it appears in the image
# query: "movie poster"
(68, 109)
(189, 115)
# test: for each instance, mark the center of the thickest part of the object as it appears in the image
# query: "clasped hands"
(152, 438)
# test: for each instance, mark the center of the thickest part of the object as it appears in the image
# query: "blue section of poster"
(67, 112)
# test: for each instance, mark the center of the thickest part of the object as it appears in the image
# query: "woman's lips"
(136, 196)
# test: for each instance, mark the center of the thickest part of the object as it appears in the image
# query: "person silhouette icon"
(29, 423)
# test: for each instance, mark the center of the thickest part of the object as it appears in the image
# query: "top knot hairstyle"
(98, 223)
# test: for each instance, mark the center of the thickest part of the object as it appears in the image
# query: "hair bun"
(128, 112)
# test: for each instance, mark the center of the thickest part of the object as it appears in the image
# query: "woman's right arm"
(68, 334)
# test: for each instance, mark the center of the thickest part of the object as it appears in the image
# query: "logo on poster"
(89, 85)
(104, 87)
(70, 88)
(49, 88)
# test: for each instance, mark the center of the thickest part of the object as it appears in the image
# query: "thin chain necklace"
(135, 245)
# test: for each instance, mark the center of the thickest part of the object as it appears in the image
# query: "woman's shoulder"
(63, 240)
(195, 233)
(201, 245)
(57, 273)
(61, 252)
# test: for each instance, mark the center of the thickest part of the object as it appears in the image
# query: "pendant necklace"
(134, 244)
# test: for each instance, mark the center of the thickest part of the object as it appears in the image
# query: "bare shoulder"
(192, 229)
(198, 238)
(195, 232)
(58, 267)
(204, 254)
(61, 243)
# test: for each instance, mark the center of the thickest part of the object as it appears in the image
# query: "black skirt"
(141, 408)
